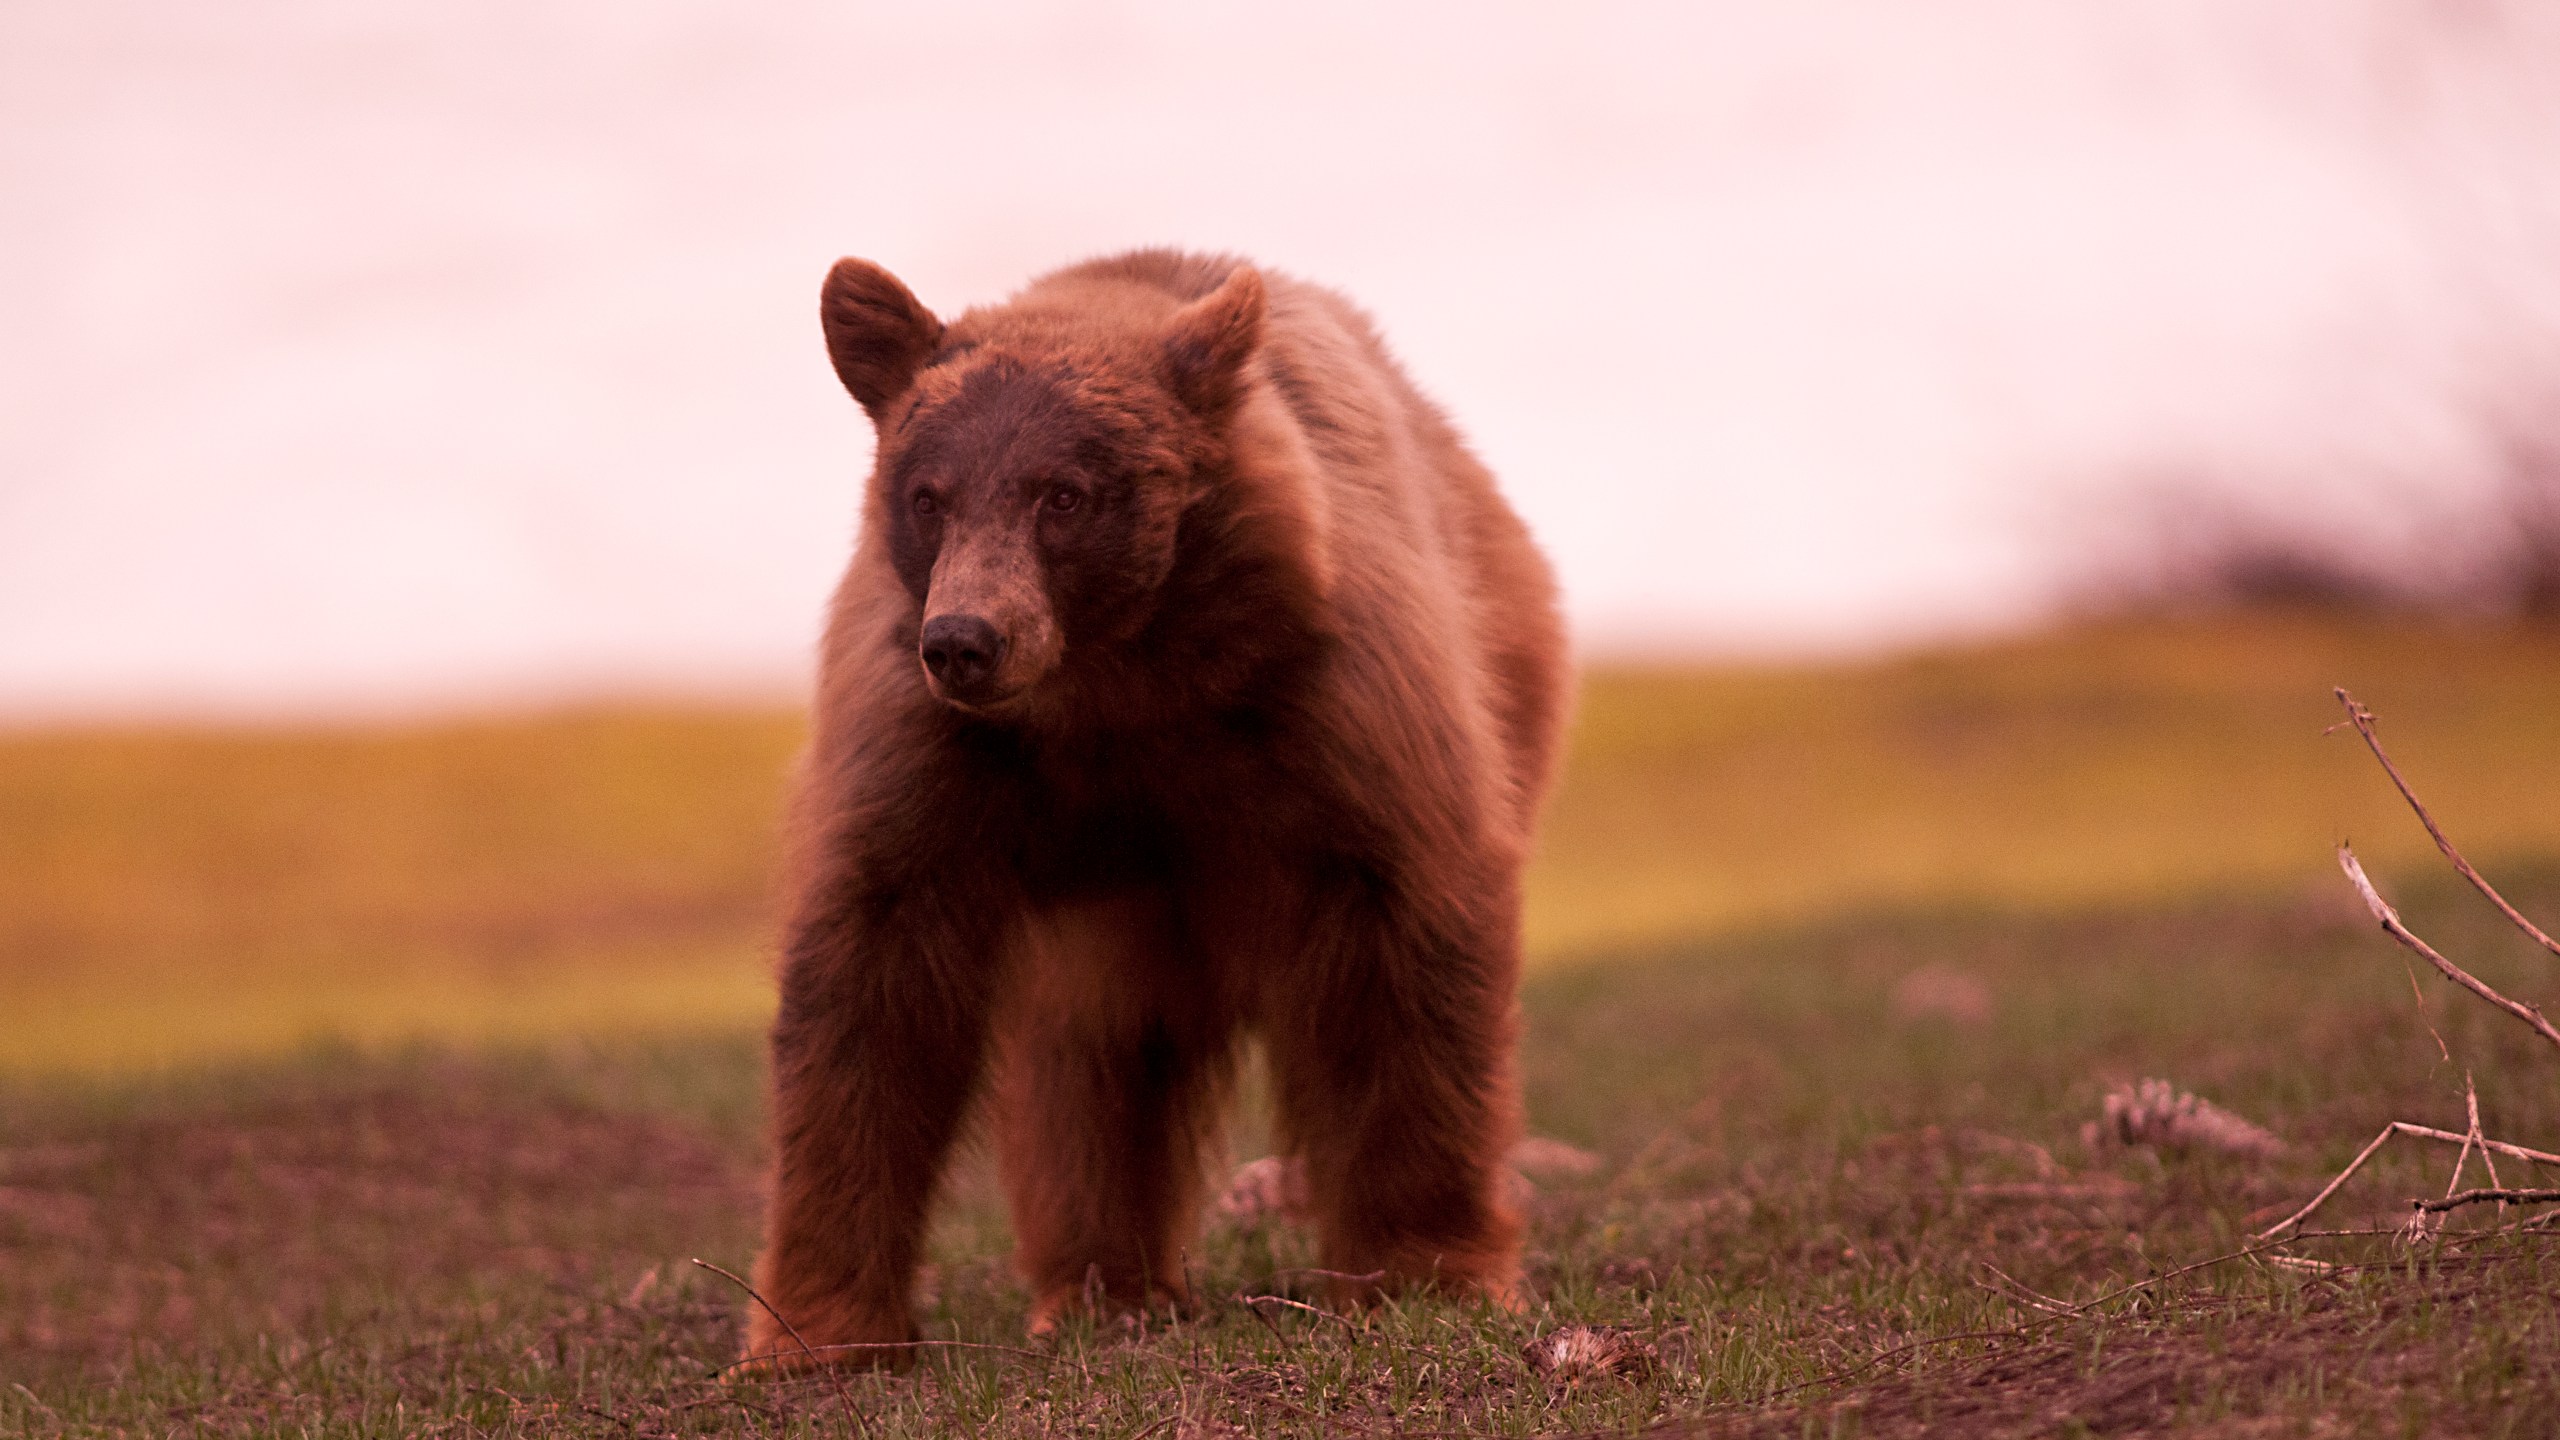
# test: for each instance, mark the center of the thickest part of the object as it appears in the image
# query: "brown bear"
(1190, 680)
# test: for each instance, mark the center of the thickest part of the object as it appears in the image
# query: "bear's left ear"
(1210, 339)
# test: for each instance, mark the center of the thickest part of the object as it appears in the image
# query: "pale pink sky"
(374, 356)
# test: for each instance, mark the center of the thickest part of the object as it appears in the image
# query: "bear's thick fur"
(1189, 679)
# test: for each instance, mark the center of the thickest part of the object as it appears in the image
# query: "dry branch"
(2471, 1138)
(2429, 1132)
(2481, 1197)
(2401, 1127)
(2316, 1201)
(2390, 920)
(2362, 720)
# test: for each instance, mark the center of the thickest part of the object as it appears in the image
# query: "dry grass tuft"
(1579, 1354)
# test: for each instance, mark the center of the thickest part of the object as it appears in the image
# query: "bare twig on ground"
(2401, 1127)
(2429, 1132)
(2036, 1299)
(2482, 1197)
(2119, 1293)
(2316, 1201)
(2472, 1139)
(2390, 920)
(1249, 1301)
(843, 1401)
(1366, 1277)
(2362, 720)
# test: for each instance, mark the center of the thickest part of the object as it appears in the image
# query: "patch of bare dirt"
(156, 1233)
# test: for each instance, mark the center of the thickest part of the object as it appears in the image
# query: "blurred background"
(1973, 439)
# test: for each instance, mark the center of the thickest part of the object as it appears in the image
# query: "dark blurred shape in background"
(2197, 542)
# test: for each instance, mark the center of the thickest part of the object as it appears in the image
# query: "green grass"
(171, 896)
(1800, 1180)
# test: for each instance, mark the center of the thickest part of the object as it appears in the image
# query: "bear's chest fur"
(1147, 808)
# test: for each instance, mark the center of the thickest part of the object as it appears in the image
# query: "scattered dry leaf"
(2158, 1114)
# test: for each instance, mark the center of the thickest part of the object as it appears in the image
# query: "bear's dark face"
(1031, 506)
(1032, 479)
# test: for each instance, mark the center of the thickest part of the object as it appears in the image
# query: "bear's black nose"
(961, 651)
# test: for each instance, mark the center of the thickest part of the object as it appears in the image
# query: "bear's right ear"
(878, 334)
(1210, 340)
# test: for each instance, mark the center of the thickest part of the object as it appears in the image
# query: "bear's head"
(1036, 460)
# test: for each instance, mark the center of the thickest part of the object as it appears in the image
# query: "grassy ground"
(385, 1082)
(1814, 1182)
(166, 897)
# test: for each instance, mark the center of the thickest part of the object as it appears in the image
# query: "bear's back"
(1423, 550)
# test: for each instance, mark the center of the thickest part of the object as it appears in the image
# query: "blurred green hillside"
(171, 895)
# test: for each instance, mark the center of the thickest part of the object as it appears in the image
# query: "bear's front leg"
(1392, 1057)
(879, 1044)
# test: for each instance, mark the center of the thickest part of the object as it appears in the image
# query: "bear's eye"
(1063, 498)
(924, 503)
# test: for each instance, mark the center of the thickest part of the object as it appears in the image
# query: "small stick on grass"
(2420, 1132)
(2117, 1294)
(2429, 1132)
(1253, 1300)
(1267, 1323)
(2050, 1304)
(843, 1401)
(2298, 1216)
(2546, 1223)
(2462, 1157)
(2362, 720)
(2471, 1139)
(2484, 1197)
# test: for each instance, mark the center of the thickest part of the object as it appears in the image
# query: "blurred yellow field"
(168, 896)
(2119, 763)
